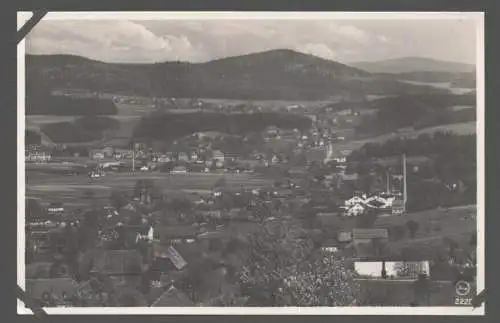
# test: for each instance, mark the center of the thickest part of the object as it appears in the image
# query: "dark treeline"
(440, 143)
(32, 138)
(88, 128)
(170, 126)
(413, 101)
(448, 178)
(418, 111)
(40, 101)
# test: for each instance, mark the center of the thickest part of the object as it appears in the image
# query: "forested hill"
(276, 74)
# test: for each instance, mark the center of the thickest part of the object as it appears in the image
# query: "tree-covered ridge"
(170, 125)
(83, 129)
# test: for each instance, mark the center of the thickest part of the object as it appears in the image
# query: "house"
(398, 207)
(173, 297)
(175, 234)
(370, 243)
(356, 199)
(330, 246)
(137, 233)
(183, 156)
(364, 234)
(218, 155)
(37, 156)
(179, 170)
(355, 210)
(55, 208)
(108, 151)
(52, 292)
(391, 269)
(272, 131)
(168, 252)
(194, 156)
(344, 236)
(140, 146)
(349, 177)
(163, 159)
(339, 156)
(122, 266)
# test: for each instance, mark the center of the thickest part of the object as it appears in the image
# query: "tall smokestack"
(405, 197)
(387, 183)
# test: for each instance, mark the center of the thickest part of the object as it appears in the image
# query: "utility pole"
(133, 158)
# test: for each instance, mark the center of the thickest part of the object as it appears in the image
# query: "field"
(457, 223)
(128, 116)
(444, 85)
(270, 104)
(72, 189)
(464, 128)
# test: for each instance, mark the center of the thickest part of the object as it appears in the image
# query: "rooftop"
(173, 297)
(369, 233)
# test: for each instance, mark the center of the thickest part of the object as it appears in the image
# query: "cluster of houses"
(383, 203)
(37, 154)
(132, 244)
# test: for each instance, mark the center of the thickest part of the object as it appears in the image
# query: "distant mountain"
(457, 80)
(412, 64)
(272, 75)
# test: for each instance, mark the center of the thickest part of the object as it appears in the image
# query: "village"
(142, 247)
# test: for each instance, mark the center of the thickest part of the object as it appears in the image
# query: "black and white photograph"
(251, 163)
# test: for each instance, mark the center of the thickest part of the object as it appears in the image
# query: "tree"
(281, 269)
(379, 247)
(412, 228)
(88, 194)
(422, 290)
(473, 240)
(118, 199)
(367, 220)
(452, 246)
(220, 183)
(397, 232)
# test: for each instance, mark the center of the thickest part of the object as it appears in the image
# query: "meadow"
(464, 128)
(72, 189)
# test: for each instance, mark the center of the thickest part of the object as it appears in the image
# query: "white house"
(182, 156)
(355, 210)
(179, 170)
(354, 200)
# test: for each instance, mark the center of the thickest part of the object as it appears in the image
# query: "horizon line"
(251, 53)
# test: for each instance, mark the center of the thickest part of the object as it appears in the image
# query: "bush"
(397, 232)
(412, 227)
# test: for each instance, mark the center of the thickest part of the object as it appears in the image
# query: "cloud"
(320, 50)
(352, 33)
(108, 40)
(202, 40)
(383, 39)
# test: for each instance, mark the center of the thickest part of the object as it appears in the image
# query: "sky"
(341, 40)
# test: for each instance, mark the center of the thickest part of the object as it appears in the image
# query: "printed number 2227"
(463, 301)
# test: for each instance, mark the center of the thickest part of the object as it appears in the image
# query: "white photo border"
(206, 15)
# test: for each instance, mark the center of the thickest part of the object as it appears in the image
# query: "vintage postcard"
(251, 163)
